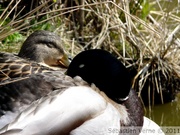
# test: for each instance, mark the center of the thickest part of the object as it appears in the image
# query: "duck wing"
(16, 96)
(74, 110)
(14, 68)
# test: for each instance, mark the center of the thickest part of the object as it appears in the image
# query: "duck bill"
(64, 61)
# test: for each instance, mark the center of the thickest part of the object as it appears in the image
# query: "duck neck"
(135, 110)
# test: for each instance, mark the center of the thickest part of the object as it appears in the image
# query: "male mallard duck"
(78, 108)
(17, 90)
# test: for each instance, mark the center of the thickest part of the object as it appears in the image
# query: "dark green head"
(104, 70)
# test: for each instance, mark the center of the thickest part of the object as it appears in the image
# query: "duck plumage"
(75, 106)
(15, 96)
(18, 88)
(73, 111)
(96, 65)
(40, 48)
(14, 68)
(56, 81)
(44, 47)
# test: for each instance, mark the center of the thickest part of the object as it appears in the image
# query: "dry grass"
(149, 45)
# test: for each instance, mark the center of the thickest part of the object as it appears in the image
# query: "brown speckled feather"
(14, 97)
(14, 68)
(22, 82)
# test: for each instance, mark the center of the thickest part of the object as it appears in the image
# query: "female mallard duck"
(43, 47)
(78, 108)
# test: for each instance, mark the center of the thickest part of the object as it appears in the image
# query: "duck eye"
(50, 45)
(81, 65)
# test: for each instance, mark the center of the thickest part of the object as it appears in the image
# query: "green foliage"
(135, 7)
(41, 26)
(146, 8)
(12, 42)
(139, 8)
(44, 25)
(15, 37)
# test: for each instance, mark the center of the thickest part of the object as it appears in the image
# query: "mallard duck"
(78, 107)
(44, 47)
(95, 65)
(41, 52)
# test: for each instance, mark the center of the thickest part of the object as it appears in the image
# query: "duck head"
(44, 47)
(104, 70)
